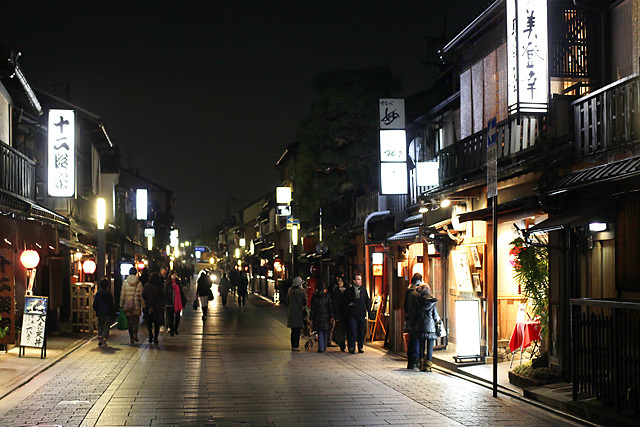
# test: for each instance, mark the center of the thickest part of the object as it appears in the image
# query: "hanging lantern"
(140, 266)
(277, 265)
(89, 266)
(29, 259)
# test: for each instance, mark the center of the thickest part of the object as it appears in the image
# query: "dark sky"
(203, 97)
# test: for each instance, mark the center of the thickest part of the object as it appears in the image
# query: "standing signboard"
(7, 296)
(34, 320)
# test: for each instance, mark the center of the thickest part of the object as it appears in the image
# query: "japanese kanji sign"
(393, 147)
(34, 320)
(61, 155)
(527, 56)
(7, 296)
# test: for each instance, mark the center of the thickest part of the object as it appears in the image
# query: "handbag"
(210, 296)
(123, 322)
(196, 303)
(128, 306)
(440, 330)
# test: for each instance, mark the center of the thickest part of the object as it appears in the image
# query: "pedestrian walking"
(233, 277)
(174, 302)
(223, 288)
(409, 303)
(297, 302)
(358, 303)
(204, 292)
(144, 276)
(321, 315)
(423, 325)
(242, 286)
(339, 313)
(104, 306)
(152, 295)
(131, 302)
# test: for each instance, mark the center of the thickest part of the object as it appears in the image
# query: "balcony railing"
(467, 158)
(606, 351)
(375, 201)
(17, 172)
(608, 118)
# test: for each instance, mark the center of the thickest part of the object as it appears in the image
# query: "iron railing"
(17, 172)
(605, 351)
(607, 118)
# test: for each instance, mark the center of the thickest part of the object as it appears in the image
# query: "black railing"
(605, 347)
(607, 118)
(17, 172)
(468, 157)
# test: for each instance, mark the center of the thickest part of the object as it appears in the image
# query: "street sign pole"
(492, 193)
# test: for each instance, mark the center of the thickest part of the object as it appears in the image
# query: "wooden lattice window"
(571, 45)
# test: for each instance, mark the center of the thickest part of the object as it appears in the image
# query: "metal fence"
(605, 343)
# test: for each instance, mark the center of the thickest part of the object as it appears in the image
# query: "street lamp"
(30, 260)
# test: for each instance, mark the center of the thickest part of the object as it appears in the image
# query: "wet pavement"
(237, 368)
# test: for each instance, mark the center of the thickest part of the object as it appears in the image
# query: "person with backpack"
(104, 306)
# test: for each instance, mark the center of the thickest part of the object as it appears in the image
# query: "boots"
(410, 362)
(423, 365)
(429, 366)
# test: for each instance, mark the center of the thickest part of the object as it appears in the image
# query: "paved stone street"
(238, 369)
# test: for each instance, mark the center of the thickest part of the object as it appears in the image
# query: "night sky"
(203, 97)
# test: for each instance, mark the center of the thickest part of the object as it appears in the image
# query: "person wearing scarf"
(175, 301)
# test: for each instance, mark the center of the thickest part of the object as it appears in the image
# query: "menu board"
(34, 321)
(462, 272)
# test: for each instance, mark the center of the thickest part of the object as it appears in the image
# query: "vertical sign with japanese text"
(7, 296)
(527, 56)
(492, 158)
(34, 320)
(393, 147)
(61, 153)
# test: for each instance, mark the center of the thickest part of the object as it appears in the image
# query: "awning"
(408, 235)
(524, 203)
(611, 172)
(412, 218)
(574, 218)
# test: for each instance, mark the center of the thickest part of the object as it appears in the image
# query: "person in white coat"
(131, 302)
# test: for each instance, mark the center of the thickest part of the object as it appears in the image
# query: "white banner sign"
(527, 56)
(393, 146)
(61, 153)
(391, 113)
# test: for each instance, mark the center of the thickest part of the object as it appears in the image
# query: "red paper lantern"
(29, 259)
(140, 266)
(89, 266)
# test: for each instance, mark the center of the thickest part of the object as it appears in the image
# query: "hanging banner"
(34, 320)
(61, 153)
(527, 56)
(7, 297)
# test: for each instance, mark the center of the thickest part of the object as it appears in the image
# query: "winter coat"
(338, 299)
(297, 301)
(409, 303)
(132, 291)
(170, 297)
(204, 286)
(152, 294)
(224, 286)
(357, 308)
(321, 310)
(242, 284)
(424, 318)
(103, 303)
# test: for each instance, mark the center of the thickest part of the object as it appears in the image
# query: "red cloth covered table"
(523, 334)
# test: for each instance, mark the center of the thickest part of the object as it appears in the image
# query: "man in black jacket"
(409, 303)
(358, 304)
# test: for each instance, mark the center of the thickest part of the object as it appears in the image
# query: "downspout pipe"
(366, 240)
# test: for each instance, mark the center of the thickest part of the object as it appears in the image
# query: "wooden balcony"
(467, 159)
(607, 119)
(17, 172)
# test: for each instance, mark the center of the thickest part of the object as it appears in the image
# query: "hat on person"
(297, 281)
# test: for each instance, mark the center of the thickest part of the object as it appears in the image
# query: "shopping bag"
(405, 338)
(196, 303)
(123, 322)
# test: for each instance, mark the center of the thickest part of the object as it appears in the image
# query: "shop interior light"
(597, 226)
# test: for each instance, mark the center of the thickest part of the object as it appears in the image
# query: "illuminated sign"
(283, 195)
(377, 269)
(284, 210)
(173, 238)
(527, 56)
(61, 153)
(141, 204)
(428, 174)
(149, 232)
(393, 147)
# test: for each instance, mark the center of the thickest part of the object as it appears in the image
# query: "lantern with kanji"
(30, 260)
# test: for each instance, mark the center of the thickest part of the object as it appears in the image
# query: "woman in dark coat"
(297, 302)
(423, 325)
(339, 314)
(152, 294)
(321, 315)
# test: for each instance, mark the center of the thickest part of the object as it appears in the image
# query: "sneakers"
(295, 349)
